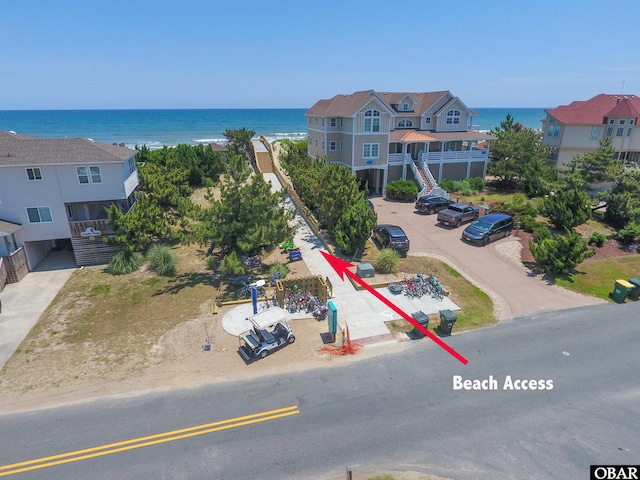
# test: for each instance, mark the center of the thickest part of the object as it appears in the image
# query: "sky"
(121, 54)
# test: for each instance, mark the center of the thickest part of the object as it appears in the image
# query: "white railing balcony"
(454, 156)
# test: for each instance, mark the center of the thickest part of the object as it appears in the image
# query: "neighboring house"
(54, 193)
(387, 136)
(579, 127)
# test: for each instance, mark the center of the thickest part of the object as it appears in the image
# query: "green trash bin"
(447, 319)
(621, 290)
(635, 293)
(423, 319)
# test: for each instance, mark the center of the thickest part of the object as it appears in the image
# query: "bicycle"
(245, 290)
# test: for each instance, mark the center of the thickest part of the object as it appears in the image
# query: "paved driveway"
(512, 290)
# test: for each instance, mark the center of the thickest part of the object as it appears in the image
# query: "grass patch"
(399, 326)
(597, 277)
(101, 289)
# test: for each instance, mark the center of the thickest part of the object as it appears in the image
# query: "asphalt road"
(392, 411)
(513, 292)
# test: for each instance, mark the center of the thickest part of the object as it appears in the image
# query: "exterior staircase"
(425, 181)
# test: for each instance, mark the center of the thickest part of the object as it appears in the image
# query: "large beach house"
(579, 127)
(54, 193)
(383, 137)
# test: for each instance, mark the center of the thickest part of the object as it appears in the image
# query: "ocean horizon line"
(206, 108)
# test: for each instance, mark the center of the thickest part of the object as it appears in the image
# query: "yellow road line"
(146, 441)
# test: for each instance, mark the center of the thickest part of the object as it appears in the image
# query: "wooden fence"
(316, 285)
(3, 273)
(15, 266)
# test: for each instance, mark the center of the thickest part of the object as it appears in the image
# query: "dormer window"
(372, 121)
(453, 117)
(405, 124)
(405, 107)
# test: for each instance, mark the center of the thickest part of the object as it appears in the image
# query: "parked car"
(488, 228)
(431, 205)
(391, 236)
(270, 331)
(457, 214)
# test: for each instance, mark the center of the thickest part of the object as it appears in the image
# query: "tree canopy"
(519, 161)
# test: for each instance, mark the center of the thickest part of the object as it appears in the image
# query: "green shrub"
(163, 260)
(387, 261)
(402, 190)
(447, 185)
(628, 234)
(540, 232)
(561, 254)
(123, 262)
(232, 265)
(467, 186)
(279, 267)
(597, 239)
(476, 183)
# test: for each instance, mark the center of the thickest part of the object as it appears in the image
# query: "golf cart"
(268, 333)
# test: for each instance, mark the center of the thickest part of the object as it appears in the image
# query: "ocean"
(156, 128)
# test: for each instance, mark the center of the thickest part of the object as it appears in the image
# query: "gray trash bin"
(423, 319)
(635, 293)
(447, 319)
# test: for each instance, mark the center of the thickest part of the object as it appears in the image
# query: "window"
(323, 122)
(453, 117)
(622, 122)
(323, 145)
(71, 211)
(316, 143)
(631, 122)
(595, 133)
(370, 150)
(609, 130)
(89, 174)
(405, 107)
(82, 174)
(332, 145)
(427, 120)
(333, 123)
(611, 121)
(554, 131)
(619, 132)
(132, 165)
(96, 177)
(340, 146)
(405, 124)
(39, 214)
(34, 174)
(372, 121)
(629, 130)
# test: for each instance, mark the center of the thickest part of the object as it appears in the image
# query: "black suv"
(489, 227)
(432, 205)
(391, 236)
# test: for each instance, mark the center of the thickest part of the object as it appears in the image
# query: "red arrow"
(341, 267)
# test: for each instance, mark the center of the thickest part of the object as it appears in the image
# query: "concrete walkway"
(25, 301)
(361, 311)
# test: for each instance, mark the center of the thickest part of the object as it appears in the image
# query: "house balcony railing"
(91, 228)
(454, 156)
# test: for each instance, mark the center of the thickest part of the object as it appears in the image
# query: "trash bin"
(635, 293)
(447, 319)
(621, 290)
(423, 319)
